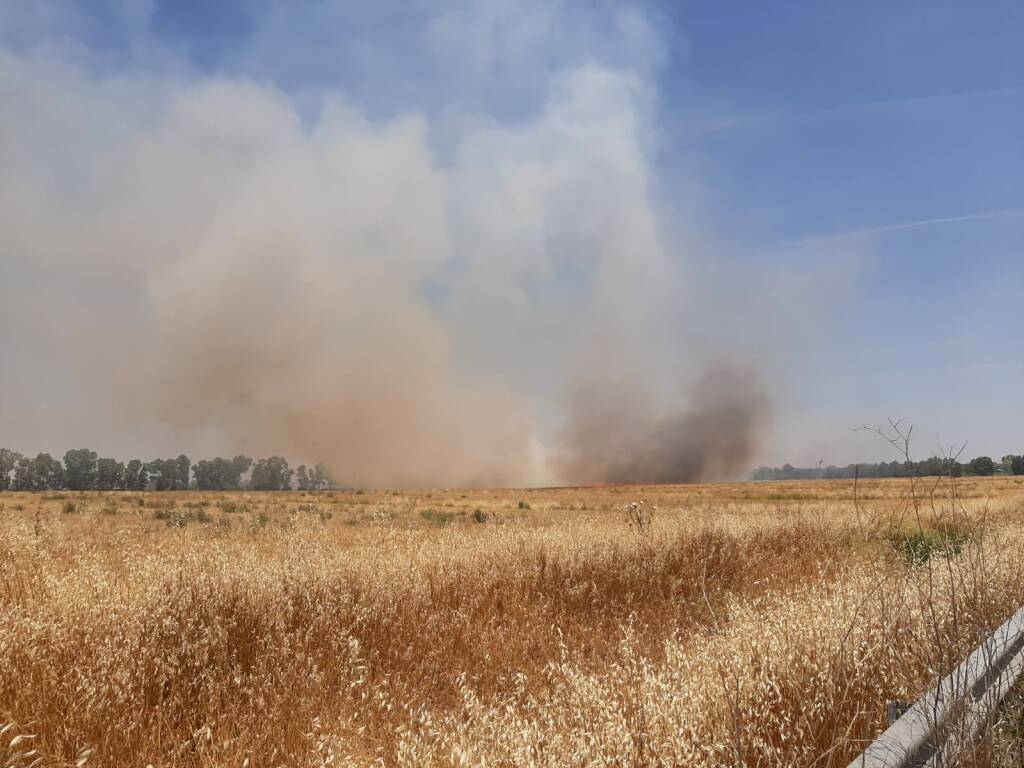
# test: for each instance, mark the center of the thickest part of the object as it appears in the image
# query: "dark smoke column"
(615, 435)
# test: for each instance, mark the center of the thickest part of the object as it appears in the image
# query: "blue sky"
(871, 154)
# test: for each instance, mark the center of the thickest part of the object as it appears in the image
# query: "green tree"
(163, 473)
(1017, 465)
(240, 465)
(24, 475)
(136, 476)
(80, 469)
(110, 475)
(47, 473)
(302, 479)
(8, 461)
(182, 466)
(220, 474)
(271, 474)
(983, 465)
(320, 477)
(206, 475)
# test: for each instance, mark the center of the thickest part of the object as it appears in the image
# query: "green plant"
(920, 546)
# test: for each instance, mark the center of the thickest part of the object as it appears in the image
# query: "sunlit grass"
(488, 627)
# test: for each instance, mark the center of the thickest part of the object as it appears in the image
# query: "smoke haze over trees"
(931, 467)
(221, 474)
(431, 295)
(83, 470)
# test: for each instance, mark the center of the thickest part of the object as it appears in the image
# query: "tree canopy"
(84, 470)
(933, 466)
(271, 474)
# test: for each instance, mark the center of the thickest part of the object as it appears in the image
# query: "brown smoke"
(615, 435)
(226, 278)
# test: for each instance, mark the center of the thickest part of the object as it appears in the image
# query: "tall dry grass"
(358, 629)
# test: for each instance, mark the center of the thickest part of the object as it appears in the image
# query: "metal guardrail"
(930, 732)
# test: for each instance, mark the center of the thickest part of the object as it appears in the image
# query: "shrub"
(920, 546)
(179, 518)
(174, 518)
(436, 516)
(319, 510)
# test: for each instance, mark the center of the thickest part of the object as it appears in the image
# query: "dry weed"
(355, 630)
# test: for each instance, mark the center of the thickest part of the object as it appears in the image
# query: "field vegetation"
(702, 625)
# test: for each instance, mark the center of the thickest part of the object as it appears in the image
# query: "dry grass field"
(735, 625)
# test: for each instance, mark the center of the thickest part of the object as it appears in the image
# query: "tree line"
(84, 470)
(931, 467)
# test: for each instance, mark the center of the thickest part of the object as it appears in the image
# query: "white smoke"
(191, 263)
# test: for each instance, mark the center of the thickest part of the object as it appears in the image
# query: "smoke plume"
(618, 436)
(191, 264)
